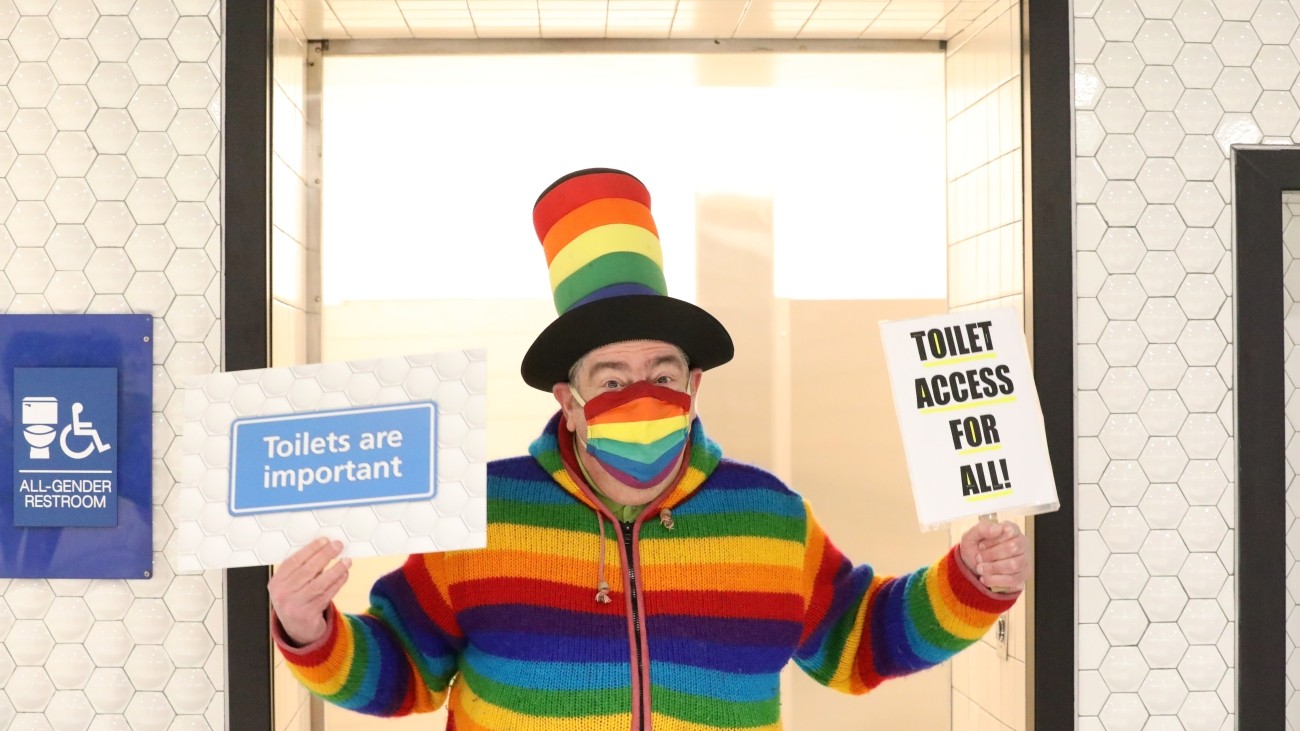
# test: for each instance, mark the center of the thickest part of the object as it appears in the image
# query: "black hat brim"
(616, 319)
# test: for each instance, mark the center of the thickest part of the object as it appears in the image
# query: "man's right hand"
(303, 586)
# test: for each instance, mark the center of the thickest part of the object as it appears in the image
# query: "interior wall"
(1161, 92)
(111, 161)
(847, 460)
(986, 270)
(295, 195)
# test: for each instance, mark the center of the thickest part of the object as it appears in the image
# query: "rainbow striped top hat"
(607, 276)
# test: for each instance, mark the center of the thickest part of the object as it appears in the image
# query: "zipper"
(627, 529)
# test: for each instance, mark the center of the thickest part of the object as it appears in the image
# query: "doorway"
(750, 208)
(307, 254)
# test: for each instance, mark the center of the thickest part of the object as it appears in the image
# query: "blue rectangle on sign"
(65, 434)
(328, 459)
(79, 387)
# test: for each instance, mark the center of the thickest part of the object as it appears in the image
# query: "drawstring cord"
(602, 588)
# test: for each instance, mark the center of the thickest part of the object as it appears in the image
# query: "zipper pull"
(666, 518)
(602, 593)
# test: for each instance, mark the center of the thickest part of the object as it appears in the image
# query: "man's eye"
(611, 384)
(664, 379)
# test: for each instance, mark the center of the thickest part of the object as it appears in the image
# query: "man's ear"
(563, 394)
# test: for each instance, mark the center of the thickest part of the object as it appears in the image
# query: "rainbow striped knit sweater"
(733, 579)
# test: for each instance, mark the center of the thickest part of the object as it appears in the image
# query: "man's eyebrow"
(617, 365)
(670, 359)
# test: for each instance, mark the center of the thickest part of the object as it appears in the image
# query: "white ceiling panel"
(771, 19)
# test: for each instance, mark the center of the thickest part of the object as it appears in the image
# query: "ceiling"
(933, 20)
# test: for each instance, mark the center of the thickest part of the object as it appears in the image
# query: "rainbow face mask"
(637, 433)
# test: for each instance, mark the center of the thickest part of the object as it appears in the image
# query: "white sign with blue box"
(386, 455)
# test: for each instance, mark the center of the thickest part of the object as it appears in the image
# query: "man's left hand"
(998, 554)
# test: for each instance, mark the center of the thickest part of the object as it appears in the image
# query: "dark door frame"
(1049, 260)
(246, 318)
(1048, 155)
(1261, 174)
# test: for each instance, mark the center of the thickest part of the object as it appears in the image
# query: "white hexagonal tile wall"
(193, 85)
(1159, 88)
(71, 108)
(74, 18)
(29, 689)
(70, 154)
(112, 131)
(112, 84)
(33, 39)
(1197, 20)
(1236, 43)
(193, 39)
(1163, 599)
(1276, 68)
(73, 61)
(1237, 129)
(69, 619)
(152, 61)
(149, 710)
(29, 642)
(1120, 111)
(1198, 65)
(70, 200)
(31, 131)
(1237, 89)
(149, 667)
(1119, 64)
(70, 667)
(109, 690)
(30, 178)
(154, 18)
(1121, 250)
(113, 38)
(1158, 42)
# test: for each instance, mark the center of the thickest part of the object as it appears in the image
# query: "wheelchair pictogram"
(81, 428)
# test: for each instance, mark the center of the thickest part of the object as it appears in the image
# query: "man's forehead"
(633, 352)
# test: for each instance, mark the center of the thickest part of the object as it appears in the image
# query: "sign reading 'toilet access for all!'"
(969, 415)
(65, 433)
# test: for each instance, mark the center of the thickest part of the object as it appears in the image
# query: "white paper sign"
(386, 455)
(968, 409)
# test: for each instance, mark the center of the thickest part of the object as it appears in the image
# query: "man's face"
(615, 366)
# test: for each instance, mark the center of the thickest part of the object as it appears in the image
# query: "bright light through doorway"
(848, 147)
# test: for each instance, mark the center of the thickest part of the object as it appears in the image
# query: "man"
(633, 578)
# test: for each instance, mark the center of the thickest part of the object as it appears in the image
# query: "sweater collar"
(549, 450)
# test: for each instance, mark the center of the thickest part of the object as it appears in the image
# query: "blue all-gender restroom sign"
(65, 455)
(76, 446)
(327, 459)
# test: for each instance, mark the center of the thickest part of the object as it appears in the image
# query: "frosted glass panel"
(848, 148)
